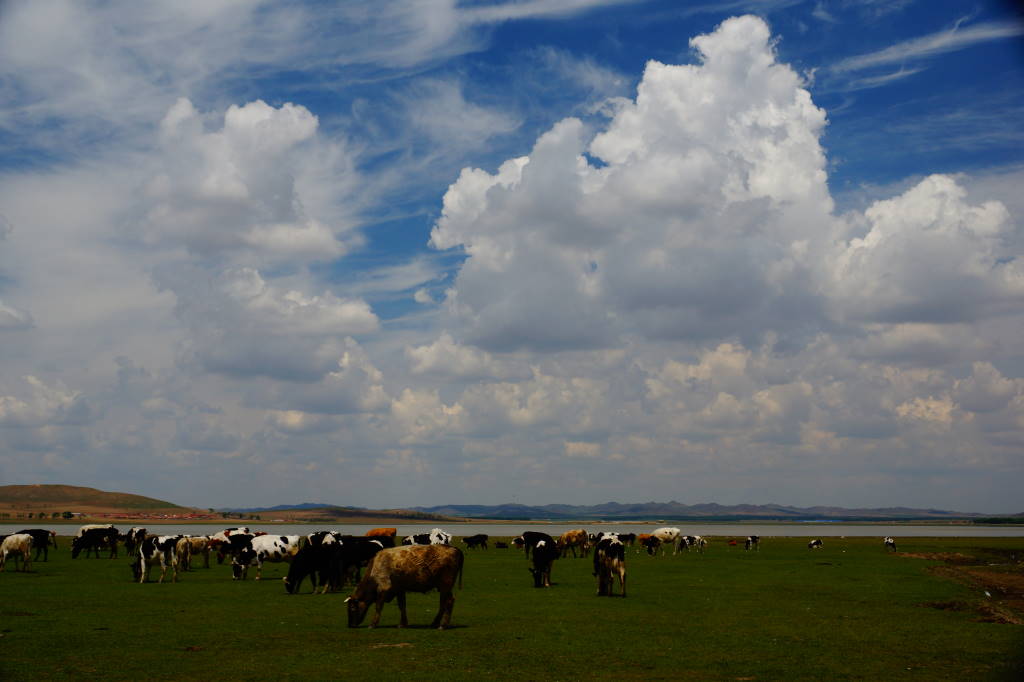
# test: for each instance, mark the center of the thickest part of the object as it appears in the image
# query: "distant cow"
(385, 535)
(328, 561)
(157, 549)
(263, 548)
(133, 538)
(545, 551)
(93, 540)
(890, 543)
(476, 541)
(434, 537)
(753, 542)
(416, 568)
(669, 536)
(814, 544)
(571, 539)
(20, 545)
(41, 541)
(627, 539)
(610, 561)
(651, 543)
(500, 545)
(198, 545)
(530, 539)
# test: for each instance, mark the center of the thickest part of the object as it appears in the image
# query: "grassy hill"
(60, 498)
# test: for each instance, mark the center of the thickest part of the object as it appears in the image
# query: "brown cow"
(409, 568)
(571, 539)
(385, 535)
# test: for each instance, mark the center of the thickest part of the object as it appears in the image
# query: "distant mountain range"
(614, 511)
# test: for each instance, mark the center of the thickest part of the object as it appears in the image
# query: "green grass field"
(847, 611)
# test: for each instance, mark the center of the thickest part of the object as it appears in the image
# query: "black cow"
(814, 544)
(476, 541)
(42, 540)
(95, 539)
(753, 542)
(328, 559)
(627, 538)
(545, 551)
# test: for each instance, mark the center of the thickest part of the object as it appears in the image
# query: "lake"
(709, 530)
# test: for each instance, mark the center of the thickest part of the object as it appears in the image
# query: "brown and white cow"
(20, 545)
(571, 539)
(409, 568)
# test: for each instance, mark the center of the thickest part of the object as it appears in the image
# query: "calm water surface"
(766, 530)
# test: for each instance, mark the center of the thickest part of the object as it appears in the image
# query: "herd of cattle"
(421, 563)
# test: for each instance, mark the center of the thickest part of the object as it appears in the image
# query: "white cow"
(20, 545)
(671, 536)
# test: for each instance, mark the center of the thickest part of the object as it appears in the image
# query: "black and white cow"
(263, 548)
(530, 539)
(814, 544)
(753, 542)
(133, 538)
(42, 539)
(157, 549)
(545, 551)
(434, 537)
(890, 543)
(476, 541)
(651, 543)
(610, 561)
(93, 540)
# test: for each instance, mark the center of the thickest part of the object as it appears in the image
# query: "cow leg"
(622, 581)
(380, 607)
(403, 620)
(443, 619)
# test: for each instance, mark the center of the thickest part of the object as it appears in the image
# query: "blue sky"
(423, 252)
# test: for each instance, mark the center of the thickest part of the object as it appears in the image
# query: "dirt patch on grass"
(1002, 585)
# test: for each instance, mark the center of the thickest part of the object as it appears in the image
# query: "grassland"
(847, 611)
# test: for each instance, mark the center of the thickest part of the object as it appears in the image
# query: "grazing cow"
(571, 539)
(95, 539)
(530, 539)
(328, 562)
(221, 540)
(476, 541)
(385, 535)
(610, 561)
(641, 541)
(395, 571)
(157, 549)
(814, 544)
(753, 542)
(434, 537)
(669, 536)
(500, 545)
(91, 526)
(197, 545)
(700, 543)
(890, 543)
(20, 545)
(652, 543)
(133, 538)
(41, 541)
(263, 548)
(627, 539)
(545, 551)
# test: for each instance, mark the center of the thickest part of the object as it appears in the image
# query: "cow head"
(357, 609)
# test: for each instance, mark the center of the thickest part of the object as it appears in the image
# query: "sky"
(421, 252)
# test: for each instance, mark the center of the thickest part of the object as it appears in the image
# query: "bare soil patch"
(1002, 585)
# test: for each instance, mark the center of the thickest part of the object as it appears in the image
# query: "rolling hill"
(60, 498)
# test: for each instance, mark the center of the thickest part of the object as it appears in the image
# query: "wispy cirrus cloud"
(956, 38)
